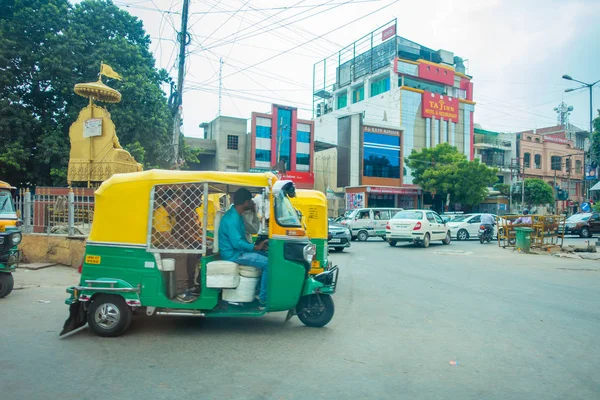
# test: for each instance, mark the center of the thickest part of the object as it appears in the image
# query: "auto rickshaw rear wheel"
(6, 284)
(109, 315)
(315, 310)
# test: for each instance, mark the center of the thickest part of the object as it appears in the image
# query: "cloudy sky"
(517, 51)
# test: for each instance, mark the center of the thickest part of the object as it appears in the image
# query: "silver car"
(339, 236)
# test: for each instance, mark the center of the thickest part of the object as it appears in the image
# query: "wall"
(326, 170)
(222, 127)
(52, 249)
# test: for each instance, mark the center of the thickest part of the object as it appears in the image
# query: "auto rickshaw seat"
(217, 223)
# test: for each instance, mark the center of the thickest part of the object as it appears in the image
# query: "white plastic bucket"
(244, 293)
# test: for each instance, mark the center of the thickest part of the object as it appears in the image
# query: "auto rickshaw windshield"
(6, 204)
(285, 213)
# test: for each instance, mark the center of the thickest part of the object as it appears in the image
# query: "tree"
(595, 150)
(443, 170)
(538, 192)
(503, 188)
(46, 47)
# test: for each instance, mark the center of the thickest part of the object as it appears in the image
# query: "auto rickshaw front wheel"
(109, 315)
(6, 284)
(315, 310)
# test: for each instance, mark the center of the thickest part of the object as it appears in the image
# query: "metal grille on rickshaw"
(177, 218)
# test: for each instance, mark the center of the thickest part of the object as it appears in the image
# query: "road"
(519, 326)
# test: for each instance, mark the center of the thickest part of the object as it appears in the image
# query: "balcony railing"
(481, 139)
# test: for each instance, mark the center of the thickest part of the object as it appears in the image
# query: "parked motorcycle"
(485, 234)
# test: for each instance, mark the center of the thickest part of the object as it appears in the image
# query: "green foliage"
(503, 188)
(46, 47)
(538, 192)
(444, 170)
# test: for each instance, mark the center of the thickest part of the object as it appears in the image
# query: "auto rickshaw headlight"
(309, 252)
(16, 238)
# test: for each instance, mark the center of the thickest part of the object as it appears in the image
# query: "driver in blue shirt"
(233, 245)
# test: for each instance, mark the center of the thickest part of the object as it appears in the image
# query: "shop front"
(383, 196)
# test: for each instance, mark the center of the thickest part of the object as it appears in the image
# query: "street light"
(590, 87)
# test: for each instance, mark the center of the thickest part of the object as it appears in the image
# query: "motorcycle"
(485, 233)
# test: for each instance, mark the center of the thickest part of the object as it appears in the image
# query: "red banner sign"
(440, 107)
(388, 33)
(299, 177)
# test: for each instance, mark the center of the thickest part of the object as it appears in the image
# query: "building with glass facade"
(391, 83)
(281, 140)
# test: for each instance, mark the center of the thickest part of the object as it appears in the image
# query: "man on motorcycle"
(488, 221)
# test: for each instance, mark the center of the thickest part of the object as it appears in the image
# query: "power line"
(316, 38)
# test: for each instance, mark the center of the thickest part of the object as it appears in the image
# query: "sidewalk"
(50, 276)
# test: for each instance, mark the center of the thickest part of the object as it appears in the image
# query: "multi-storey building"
(281, 140)
(379, 99)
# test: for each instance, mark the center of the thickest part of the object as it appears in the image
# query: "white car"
(466, 226)
(417, 226)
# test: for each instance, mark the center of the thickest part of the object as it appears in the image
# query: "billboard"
(355, 200)
(439, 107)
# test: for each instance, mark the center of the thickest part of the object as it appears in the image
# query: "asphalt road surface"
(518, 327)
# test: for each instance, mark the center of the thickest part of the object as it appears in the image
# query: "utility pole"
(220, 82)
(183, 35)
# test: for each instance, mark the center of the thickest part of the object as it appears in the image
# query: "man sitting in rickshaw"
(233, 244)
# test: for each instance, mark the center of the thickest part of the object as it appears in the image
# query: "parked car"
(447, 217)
(466, 226)
(339, 236)
(368, 222)
(583, 224)
(417, 226)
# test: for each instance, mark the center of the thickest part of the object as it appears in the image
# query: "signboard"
(388, 33)
(590, 173)
(382, 131)
(439, 107)
(502, 207)
(92, 127)
(585, 207)
(556, 140)
(299, 177)
(355, 200)
(391, 190)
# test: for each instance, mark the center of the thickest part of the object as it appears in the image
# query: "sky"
(517, 51)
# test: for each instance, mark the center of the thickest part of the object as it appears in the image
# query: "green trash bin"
(523, 242)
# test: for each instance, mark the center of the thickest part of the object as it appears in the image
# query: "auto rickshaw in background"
(10, 237)
(312, 205)
(129, 256)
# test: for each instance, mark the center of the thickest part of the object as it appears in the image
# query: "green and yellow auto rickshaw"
(10, 237)
(312, 205)
(130, 257)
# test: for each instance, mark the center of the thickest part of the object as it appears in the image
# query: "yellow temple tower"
(95, 150)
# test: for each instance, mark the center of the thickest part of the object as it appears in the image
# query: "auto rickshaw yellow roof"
(308, 196)
(6, 185)
(122, 202)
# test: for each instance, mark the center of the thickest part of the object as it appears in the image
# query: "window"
(381, 155)
(6, 203)
(364, 214)
(358, 94)
(538, 161)
(537, 139)
(580, 141)
(527, 160)
(263, 132)
(263, 155)
(380, 86)
(414, 215)
(529, 138)
(232, 142)
(422, 85)
(438, 219)
(284, 136)
(285, 213)
(430, 217)
(568, 165)
(578, 166)
(475, 220)
(384, 214)
(342, 100)
(555, 163)
(302, 159)
(303, 137)
(230, 168)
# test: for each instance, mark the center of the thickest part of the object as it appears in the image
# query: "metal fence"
(56, 211)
